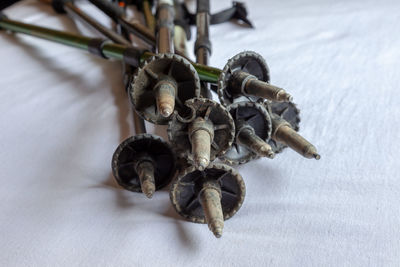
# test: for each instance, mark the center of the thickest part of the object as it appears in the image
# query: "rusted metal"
(253, 131)
(247, 74)
(202, 46)
(165, 26)
(165, 93)
(201, 135)
(145, 171)
(209, 196)
(210, 199)
(206, 132)
(248, 85)
(283, 132)
(162, 85)
(247, 61)
(248, 138)
(287, 111)
(143, 163)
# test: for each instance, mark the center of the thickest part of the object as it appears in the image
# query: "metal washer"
(287, 111)
(141, 93)
(247, 61)
(223, 138)
(259, 119)
(186, 186)
(150, 146)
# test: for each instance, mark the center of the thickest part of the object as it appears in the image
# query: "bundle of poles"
(206, 137)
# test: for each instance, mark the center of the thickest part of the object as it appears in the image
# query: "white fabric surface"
(63, 112)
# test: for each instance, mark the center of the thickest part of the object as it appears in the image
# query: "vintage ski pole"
(180, 29)
(130, 55)
(202, 47)
(148, 16)
(72, 10)
(117, 14)
(165, 26)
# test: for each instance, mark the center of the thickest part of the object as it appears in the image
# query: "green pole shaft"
(48, 34)
(207, 73)
(109, 50)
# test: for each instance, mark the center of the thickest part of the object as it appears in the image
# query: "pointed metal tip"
(217, 232)
(166, 111)
(267, 151)
(284, 96)
(287, 97)
(148, 188)
(316, 156)
(149, 194)
(202, 163)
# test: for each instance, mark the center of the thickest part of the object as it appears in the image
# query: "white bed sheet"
(63, 112)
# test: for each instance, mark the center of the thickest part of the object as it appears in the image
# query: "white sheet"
(63, 112)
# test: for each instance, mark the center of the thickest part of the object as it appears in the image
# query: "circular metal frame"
(185, 188)
(141, 91)
(247, 61)
(254, 115)
(138, 148)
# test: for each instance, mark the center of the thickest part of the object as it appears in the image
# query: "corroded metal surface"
(210, 199)
(287, 111)
(283, 132)
(131, 154)
(248, 115)
(165, 26)
(243, 83)
(145, 171)
(247, 61)
(247, 74)
(185, 193)
(215, 122)
(174, 75)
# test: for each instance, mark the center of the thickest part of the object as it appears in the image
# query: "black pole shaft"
(202, 47)
(117, 14)
(113, 36)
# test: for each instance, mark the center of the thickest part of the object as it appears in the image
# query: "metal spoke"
(284, 111)
(245, 65)
(215, 146)
(250, 117)
(209, 109)
(222, 176)
(228, 193)
(131, 149)
(123, 165)
(151, 74)
(192, 203)
(170, 68)
(218, 127)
